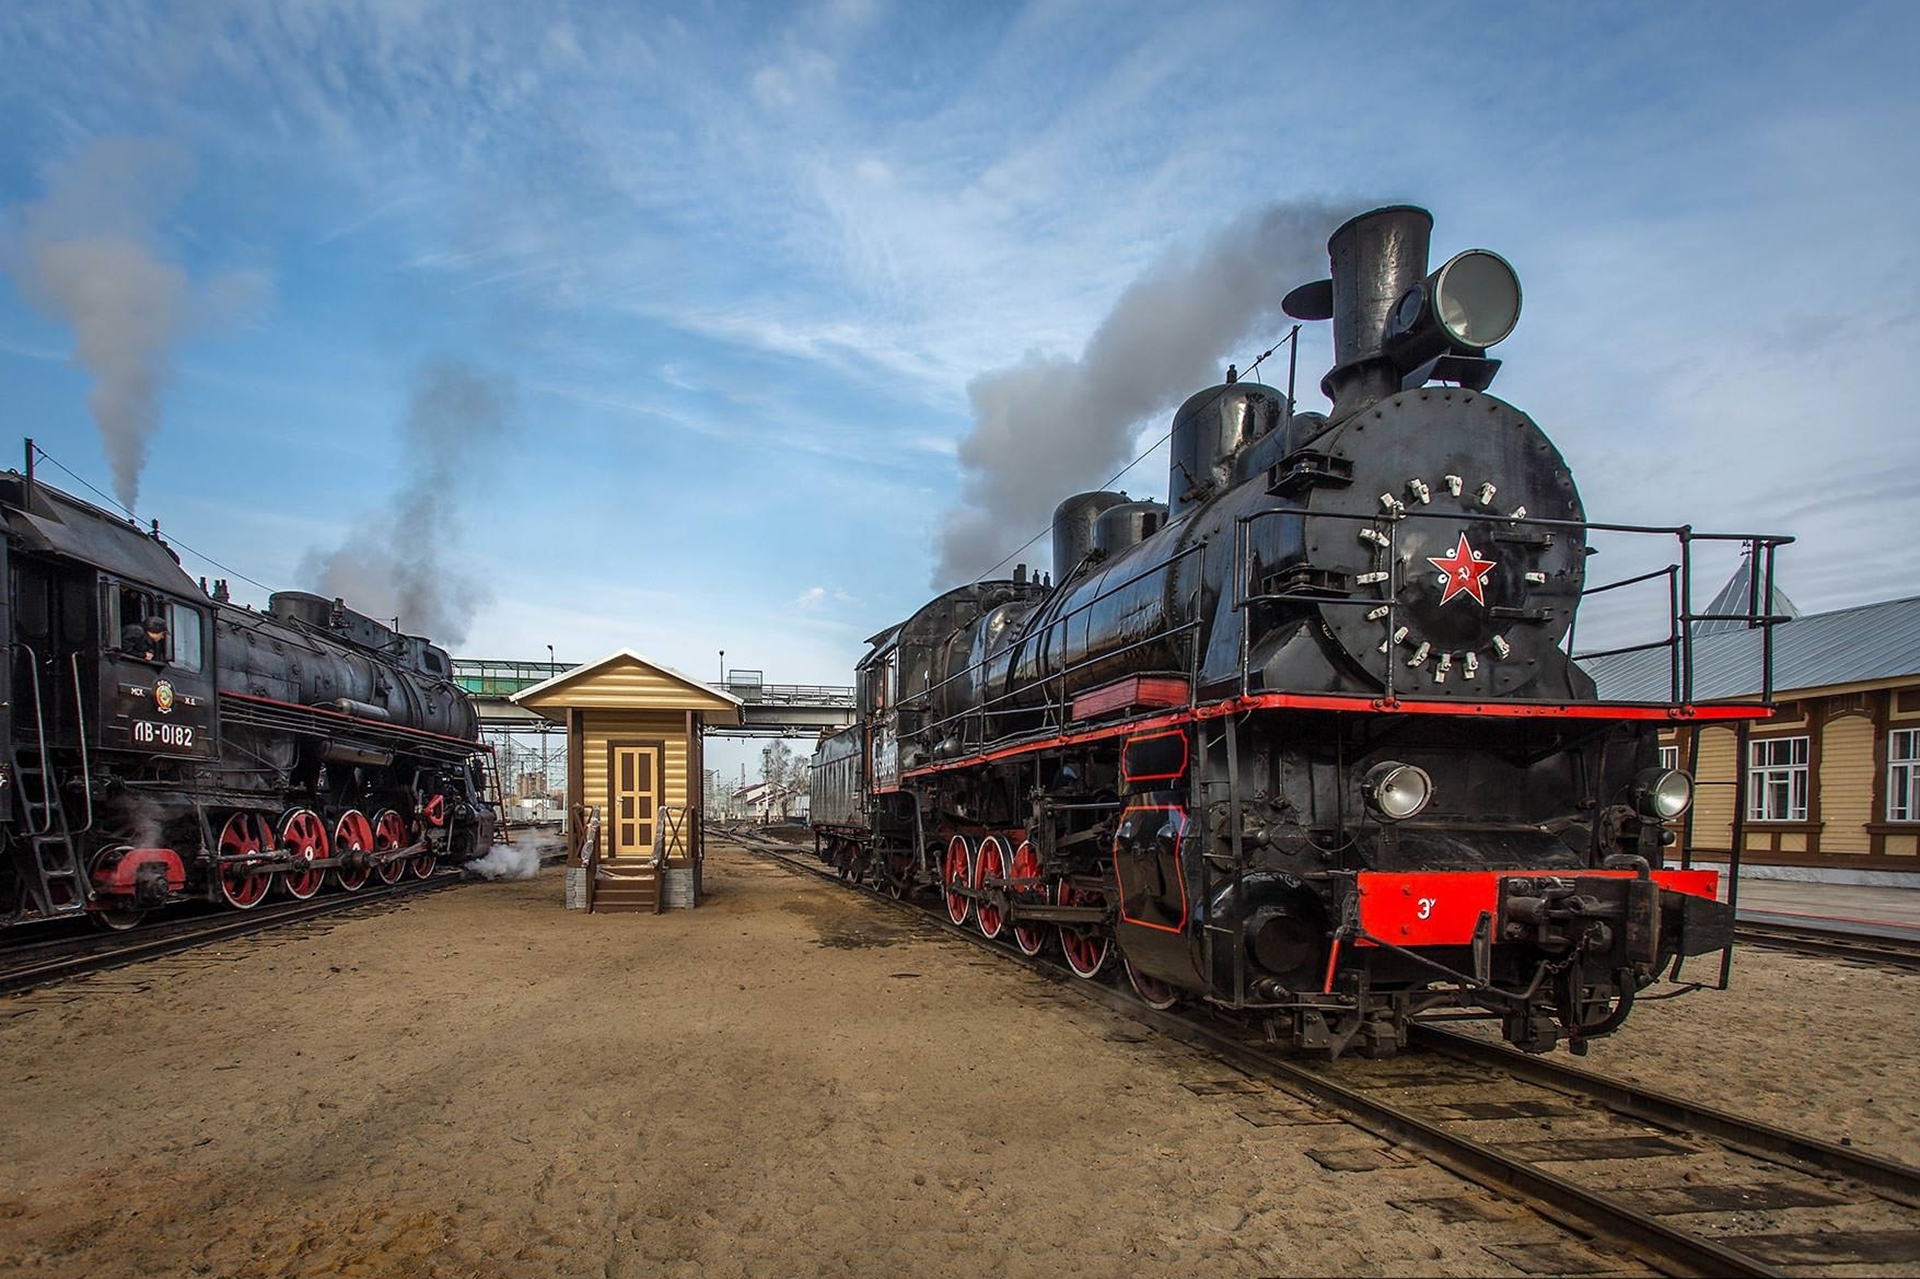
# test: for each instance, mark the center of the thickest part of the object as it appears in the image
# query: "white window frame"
(1778, 779)
(1903, 775)
(1670, 757)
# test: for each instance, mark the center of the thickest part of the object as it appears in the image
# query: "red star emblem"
(1463, 570)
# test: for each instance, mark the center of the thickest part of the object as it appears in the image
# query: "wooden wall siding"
(629, 685)
(604, 727)
(1716, 792)
(1846, 782)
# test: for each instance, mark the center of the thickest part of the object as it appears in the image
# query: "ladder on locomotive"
(47, 860)
(497, 800)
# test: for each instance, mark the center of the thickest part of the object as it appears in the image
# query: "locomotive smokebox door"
(1459, 541)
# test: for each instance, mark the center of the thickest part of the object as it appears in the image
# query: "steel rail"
(1669, 1111)
(1887, 952)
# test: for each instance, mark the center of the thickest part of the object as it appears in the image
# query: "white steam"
(404, 562)
(87, 257)
(1048, 427)
(506, 861)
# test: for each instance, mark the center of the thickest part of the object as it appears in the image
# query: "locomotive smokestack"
(1376, 257)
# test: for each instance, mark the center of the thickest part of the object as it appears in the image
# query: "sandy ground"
(789, 1080)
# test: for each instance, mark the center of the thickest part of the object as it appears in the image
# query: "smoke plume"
(506, 861)
(1048, 427)
(404, 561)
(87, 258)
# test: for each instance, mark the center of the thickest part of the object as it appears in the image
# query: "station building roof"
(625, 680)
(1861, 647)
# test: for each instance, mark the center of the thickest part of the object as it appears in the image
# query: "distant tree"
(782, 771)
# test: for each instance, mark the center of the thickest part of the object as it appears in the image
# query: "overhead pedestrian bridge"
(768, 710)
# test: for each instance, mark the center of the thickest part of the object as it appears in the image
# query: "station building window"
(1669, 757)
(1777, 780)
(1903, 775)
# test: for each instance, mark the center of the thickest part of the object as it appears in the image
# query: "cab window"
(185, 636)
(128, 608)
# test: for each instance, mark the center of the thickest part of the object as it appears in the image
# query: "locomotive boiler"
(1306, 740)
(236, 752)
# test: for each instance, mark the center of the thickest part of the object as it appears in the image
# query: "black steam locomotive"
(1305, 741)
(164, 745)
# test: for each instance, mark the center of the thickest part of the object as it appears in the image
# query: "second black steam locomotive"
(1305, 740)
(231, 752)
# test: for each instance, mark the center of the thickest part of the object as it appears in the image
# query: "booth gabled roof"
(626, 680)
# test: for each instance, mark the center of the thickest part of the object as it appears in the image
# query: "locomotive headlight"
(1459, 311)
(1396, 791)
(1476, 298)
(1662, 793)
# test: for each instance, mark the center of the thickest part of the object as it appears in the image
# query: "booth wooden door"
(633, 796)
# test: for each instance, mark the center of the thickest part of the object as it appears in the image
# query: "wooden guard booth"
(634, 755)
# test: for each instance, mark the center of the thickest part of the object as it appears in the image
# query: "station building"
(1828, 788)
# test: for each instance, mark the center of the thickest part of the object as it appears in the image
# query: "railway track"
(1886, 952)
(78, 952)
(24, 967)
(1685, 1188)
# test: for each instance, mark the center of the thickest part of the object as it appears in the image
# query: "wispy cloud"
(786, 241)
(27, 352)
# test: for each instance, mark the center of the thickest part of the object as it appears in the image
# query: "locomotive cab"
(156, 687)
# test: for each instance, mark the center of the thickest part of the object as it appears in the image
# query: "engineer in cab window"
(145, 641)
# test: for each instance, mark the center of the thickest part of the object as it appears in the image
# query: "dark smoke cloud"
(1050, 427)
(405, 561)
(86, 257)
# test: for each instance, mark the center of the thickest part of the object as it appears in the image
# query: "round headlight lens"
(1476, 297)
(1397, 791)
(1663, 793)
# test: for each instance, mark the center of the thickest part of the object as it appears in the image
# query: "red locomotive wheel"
(1085, 947)
(389, 832)
(241, 886)
(1154, 993)
(1026, 866)
(304, 836)
(990, 864)
(421, 866)
(353, 833)
(956, 872)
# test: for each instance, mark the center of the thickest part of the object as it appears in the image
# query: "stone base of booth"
(682, 888)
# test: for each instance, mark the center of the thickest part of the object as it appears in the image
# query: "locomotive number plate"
(147, 733)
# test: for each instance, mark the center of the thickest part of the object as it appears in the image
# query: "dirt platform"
(790, 1080)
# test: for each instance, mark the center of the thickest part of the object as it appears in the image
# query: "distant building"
(766, 803)
(1829, 787)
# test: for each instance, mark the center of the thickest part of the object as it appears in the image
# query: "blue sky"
(670, 324)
